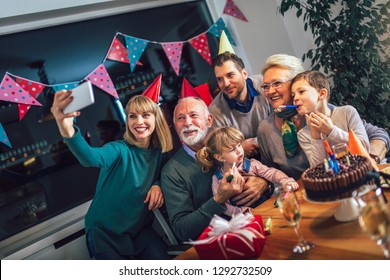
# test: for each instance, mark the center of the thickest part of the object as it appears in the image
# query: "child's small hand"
(314, 132)
(321, 122)
(289, 183)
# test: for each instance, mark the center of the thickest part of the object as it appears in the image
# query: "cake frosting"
(323, 184)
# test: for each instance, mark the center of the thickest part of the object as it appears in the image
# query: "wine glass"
(340, 150)
(374, 217)
(289, 207)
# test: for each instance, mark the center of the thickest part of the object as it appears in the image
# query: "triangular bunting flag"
(173, 52)
(4, 137)
(33, 88)
(100, 78)
(135, 48)
(356, 148)
(187, 89)
(203, 91)
(153, 90)
(231, 9)
(201, 44)
(66, 86)
(118, 52)
(12, 92)
(224, 44)
(217, 28)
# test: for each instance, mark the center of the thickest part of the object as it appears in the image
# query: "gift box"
(242, 237)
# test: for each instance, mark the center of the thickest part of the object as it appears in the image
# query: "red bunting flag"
(33, 88)
(100, 78)
(118, 52)
(231, 9)
(153, 90)
(201, 44)
(12, 92)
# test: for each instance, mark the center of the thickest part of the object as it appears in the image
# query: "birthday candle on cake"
(336, 166)
(326, 165)
(327, 147)
(348, 161)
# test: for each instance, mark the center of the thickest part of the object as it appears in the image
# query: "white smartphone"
(82, 97)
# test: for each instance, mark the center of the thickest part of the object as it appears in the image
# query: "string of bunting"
(25, 92)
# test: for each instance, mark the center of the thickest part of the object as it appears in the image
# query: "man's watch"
(376, 158)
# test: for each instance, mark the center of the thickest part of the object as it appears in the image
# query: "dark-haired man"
(241, 103)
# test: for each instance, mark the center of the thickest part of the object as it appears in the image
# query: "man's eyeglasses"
(275, 85)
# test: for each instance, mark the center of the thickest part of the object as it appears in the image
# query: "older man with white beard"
(187, 189)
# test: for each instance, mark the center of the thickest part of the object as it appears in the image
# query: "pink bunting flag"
(201, 44)
(173, 52)
(231, 9)
(33, 88)
(100, 78)
(153, 90)
(3, 137)
(12, 92)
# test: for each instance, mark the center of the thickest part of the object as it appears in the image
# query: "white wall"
(266, 33)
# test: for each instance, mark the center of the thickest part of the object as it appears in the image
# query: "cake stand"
(347, 210)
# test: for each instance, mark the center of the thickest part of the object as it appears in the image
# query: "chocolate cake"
(322, 184)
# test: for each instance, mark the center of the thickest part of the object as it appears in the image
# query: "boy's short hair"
(316, 79)
(226, 56)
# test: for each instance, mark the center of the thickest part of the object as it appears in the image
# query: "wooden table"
(334, 240)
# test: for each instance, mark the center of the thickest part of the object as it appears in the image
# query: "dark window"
(39, 177)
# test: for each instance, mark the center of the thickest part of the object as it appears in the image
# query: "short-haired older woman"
(277, 135)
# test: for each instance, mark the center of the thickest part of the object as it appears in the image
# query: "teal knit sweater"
(118, 217)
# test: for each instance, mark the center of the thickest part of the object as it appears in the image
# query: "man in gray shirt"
(241, 103)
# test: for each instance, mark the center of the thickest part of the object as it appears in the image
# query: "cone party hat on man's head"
(356, 148)
(153, 91)
(187, 90)
(204, 92)
(224, 44)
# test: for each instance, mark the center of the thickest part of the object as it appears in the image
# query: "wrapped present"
(242, 237)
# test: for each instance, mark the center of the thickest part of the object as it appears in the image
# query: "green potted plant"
(352, 46)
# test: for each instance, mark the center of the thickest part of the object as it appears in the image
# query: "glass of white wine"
(289, 207)
(374, 217)
(340, 150)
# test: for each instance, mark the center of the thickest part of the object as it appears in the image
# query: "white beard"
(194, 140)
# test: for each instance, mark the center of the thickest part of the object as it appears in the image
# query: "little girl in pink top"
(223, 149)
